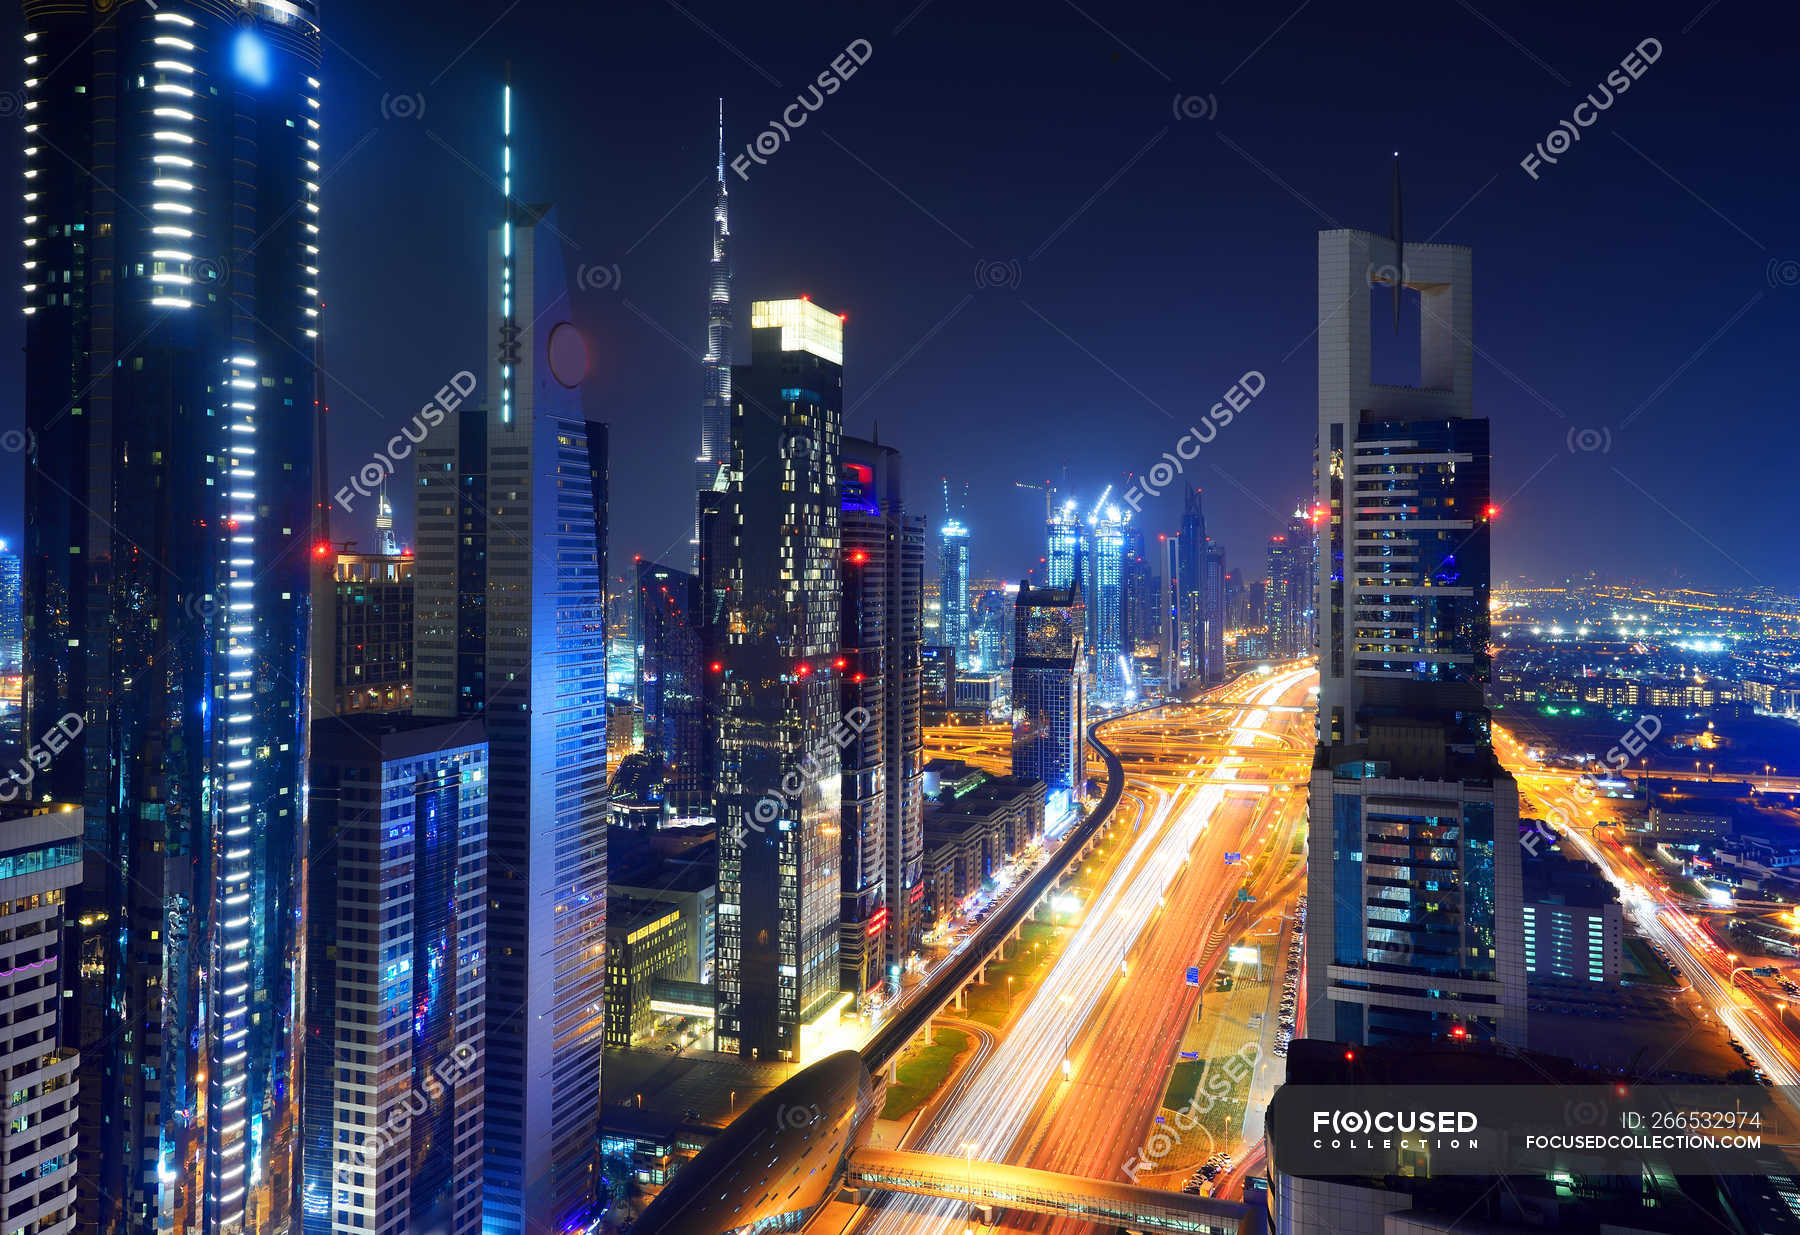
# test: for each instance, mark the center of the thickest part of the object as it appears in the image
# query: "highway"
(1100, 1122)
(1003, 1100)
(1661, 916)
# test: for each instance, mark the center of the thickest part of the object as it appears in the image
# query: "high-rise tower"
(883, 764)
(715, 398)
(953, 588)
(510, 625)
(1106, 596)
(776, 699)
(1414, 866)
(385, 541)
(171, 275)
(1049, 711)
(1065, 561)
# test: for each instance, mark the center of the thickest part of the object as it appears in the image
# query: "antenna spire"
(1396, 226)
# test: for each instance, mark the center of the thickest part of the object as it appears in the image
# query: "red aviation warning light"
(840, 663)
(718, 666)
(1490, 513)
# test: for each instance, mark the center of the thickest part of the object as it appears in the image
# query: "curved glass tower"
(170, 290)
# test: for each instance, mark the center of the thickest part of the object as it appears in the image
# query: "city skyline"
(1250, 297)
(1012, 623)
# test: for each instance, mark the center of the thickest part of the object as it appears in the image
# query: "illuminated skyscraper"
(385, 541)
(953, 589)
(40, 862)
(1288, 591)
(1106, 596)
(1281, 595)
(994, 629)
(1066, 560)
(671, 690)
(12, 612)
(510, 625)
(171, 273)
(1047, 690)
(1414, 870)
(883, 763)
(715, 397)
(399, 823)
(1213, 611)
(777, 744)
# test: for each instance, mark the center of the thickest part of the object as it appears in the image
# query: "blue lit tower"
(1106, 592)
(546, 723)
(171, 272)
(1066, 559)
(512, 627)
(12, 612)
(953, 588)
(715, 399)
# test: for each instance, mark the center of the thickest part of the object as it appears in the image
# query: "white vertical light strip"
(228, 1068)
(32, 280)
(309, 181)
(506, 258)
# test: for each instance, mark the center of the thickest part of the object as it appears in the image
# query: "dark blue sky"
(1636, 306)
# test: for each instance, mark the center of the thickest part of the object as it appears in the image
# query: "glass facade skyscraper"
(777, 744)
(510, 624)
(953, 590)
(397, 955)
(1065, 560)
(1047, 690)
(881, 698)
(1106, 594)
(171, 273)
(1414, 869)
(670, 687)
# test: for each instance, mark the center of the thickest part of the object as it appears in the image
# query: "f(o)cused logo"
(1196, 107)
(598, 278)
(1590, 441)
(991, 272)
(402, 106)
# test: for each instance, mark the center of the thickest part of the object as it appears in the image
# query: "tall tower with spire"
(384, 523)
(715, 399)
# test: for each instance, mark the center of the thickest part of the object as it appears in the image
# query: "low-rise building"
(1574, 924)
(975, 828)
(1665, 821)
(645, 940)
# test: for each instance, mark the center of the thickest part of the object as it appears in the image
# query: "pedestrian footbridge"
(989, 1187)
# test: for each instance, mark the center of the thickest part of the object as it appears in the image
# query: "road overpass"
(997, 1186)
(914, 1018)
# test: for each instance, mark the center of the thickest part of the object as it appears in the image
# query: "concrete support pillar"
(894, 1070)
(960, 992)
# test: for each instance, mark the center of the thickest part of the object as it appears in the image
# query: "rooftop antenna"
(1398, 231)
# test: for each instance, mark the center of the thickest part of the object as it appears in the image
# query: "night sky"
(1045, 262)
